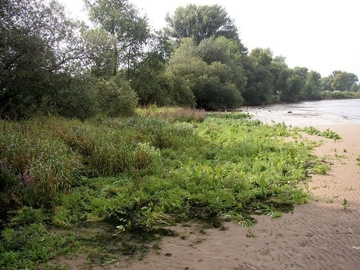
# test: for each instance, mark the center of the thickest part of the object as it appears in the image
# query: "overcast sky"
(322, 35)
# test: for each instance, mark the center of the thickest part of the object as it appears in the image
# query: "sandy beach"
(302, 115)
(320, 234)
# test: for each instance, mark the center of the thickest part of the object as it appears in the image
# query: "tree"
(341, 80)
(100, 52)
(226, 52)
(355, 87)
(260, 80)
(202, 22)
(278, 69)
(129, 30)
(312, 86)
(217, 82)
(38, 50)
(151, 81)
(293, 86)
(326, 83)
(302, 72)
(261, 57)
(155, 85)
(259, 85)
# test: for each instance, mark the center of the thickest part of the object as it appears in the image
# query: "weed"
(340, 156)
(140, 173)
(27, 216)
(250, 233)
(271, 211)
(327, 133)
(345, 204)
(320, 169)
(242, 219)
(27, 247)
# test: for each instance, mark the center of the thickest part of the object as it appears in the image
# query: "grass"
(139, 174)
(327, 133)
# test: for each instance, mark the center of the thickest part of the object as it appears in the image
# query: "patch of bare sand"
(317, 235)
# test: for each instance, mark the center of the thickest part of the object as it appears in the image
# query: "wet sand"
(295, 116)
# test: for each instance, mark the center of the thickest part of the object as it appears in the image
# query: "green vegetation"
(340, 95)
(345, 204)
(327, 133)
(340, 81)
(51, 64)
(66, 165)
(135, 174)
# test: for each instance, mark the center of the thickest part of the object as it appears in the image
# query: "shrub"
(78, 100)
(174, 114)
(340, 95)
(116, 98)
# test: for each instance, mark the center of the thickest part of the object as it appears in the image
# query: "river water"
(313, 113)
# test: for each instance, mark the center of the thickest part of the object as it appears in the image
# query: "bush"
(174, 114)
(340, 95)
(78, 99)
(116, 98)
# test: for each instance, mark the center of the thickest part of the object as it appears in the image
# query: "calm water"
(324, 112)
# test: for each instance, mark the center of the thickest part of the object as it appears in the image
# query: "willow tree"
(128, 29)
(202, 22)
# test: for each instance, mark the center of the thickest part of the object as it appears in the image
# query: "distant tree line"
(50, 63)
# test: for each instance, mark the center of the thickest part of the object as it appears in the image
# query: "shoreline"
(296, 115)
(320, 234)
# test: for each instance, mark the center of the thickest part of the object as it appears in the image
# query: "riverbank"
(315, 113)
(214, 167)
(103, 187)
(322, 234)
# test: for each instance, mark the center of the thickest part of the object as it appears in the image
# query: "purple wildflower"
(27, 179)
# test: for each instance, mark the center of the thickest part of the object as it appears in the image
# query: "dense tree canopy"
(122, 21)
(261, 57)
(52, 64)
(312, 86)
(259, 85)
(341, 80)
(202, 22)
(214, 76)
(38, 47)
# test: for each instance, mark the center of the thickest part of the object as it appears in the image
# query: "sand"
(321, 234)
